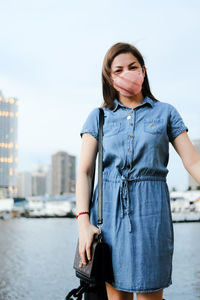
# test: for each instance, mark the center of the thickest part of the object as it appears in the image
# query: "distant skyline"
(51, 60)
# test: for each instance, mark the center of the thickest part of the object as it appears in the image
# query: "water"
(36, 257)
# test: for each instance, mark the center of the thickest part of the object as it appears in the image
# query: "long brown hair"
(109, 93)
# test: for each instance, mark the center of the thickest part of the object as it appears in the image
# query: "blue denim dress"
(137, 221)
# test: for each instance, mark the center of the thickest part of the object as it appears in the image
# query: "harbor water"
(36, 259)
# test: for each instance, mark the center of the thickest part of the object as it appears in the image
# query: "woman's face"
(125, 62)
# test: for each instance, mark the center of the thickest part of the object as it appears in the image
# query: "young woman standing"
(137, 221)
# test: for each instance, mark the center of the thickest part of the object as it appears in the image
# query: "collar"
(145, 100)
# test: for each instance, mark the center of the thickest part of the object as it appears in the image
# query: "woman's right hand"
(86, 235)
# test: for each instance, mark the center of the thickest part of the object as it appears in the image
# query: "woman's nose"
(126, 71)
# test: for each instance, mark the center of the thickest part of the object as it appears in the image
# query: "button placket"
(131, 139)
(130, 136)
(129, 118)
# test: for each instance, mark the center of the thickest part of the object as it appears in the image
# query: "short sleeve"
(91, 124)
(176, 124)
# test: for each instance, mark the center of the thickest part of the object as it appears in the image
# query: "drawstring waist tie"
(125, 203)
(124, 199)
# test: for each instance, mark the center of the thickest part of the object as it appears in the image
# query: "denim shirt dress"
(137, 220)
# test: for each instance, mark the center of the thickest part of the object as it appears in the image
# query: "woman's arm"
(84, 180)
(83, 191)
(190, 157)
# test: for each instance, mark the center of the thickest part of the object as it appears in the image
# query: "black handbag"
(99, 269)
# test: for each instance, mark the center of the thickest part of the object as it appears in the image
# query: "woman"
(137, 222)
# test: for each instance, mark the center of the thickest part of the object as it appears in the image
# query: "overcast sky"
(51, 59)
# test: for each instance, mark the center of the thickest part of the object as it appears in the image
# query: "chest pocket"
(154, 126)
(111, 128)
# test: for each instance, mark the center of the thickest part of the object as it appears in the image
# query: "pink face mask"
(129, 83)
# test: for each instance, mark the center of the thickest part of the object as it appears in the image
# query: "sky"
(51, 60)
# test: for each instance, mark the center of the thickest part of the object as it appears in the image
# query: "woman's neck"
(131, 101)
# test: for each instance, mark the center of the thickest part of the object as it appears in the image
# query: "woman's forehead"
(123, 59)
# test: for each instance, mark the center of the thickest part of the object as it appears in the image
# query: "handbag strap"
(100, 168)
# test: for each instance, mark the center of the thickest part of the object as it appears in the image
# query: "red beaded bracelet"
(82, 213)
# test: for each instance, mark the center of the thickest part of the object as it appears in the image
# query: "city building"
(47, 170)
(44, 169)
(63, 173)
(8, 146)
(38, 183)
(193, 185)
(24, 184)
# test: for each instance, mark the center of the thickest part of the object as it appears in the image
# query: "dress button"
(130, 150)
(129, 117)
(131, 124)
(130, 135)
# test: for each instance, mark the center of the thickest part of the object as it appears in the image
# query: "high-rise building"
(62, 173)
(41, 180)
(192, 183)
(8, 146)
(24, 184)
(34, 183)
(47, 170)
(38, 183)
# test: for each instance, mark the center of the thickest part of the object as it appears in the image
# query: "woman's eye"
(133, 67)
(117, 71)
